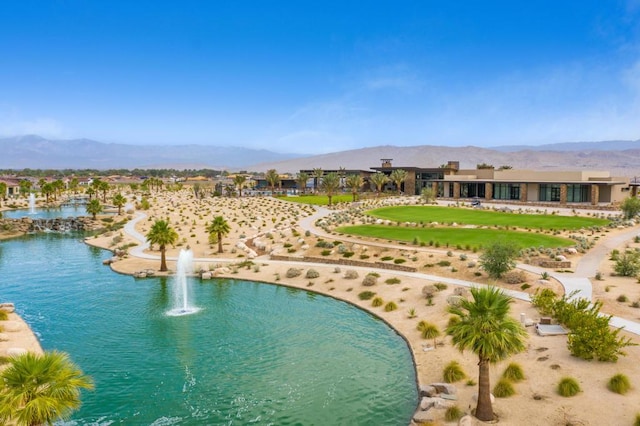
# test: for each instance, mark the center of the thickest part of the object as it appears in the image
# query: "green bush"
(453, 414)
(399, 261)
(513, 372)
(453, 372)
(385, 258)
(628, 264)
(390, 306)
(444, 263)
(619, 384)
(637, 421)
(503, 389)
(3, 315)
(499, 257)
(366, 295)
(440, 286)
(568, 386)
(377, 301)
(392, 281)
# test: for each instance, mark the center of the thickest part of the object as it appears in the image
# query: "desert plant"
(4, 315)
(498, 258)
(351, 274)
(377, 301)
(440, 286)
(429, 331)
(390, 306)
(453, 414)
(514, 277)
(412, 313)
(453, 372)
(568, 386)
(637, 420)
(369, 280)
(312, 273)
(293, 272)
(622, 298)
(392, 281)
(513, 372)
(503, 389)
(366, 295)
(619, 384)
(628, 264)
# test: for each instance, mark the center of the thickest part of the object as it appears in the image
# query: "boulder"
(465, 421)
(427, 403)
(442, 404)
(447, 388)
(206, 275)
(428, 390)
(571, 250)
(7, 307)
(422, 417)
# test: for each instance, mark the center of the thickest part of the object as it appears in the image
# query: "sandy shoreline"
(276, 224)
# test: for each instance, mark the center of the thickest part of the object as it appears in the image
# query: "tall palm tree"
(379, 179)
(104, 187)
(162, 234)
(119, 201)
(317, 176)
(239, 181)
(90, 192)
(94, 208)
(273, 178)
(486, 329)
(330, 184)
(219, 227)
(47, 190)
(39, 389)
(3, 192)
(301, 181)
(354, 183)
(398, 176)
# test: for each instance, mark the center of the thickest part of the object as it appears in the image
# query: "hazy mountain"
(619, 163)
(574, 146)
(35, 152)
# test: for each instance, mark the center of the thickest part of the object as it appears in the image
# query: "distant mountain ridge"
(35, 152)
(621, 158)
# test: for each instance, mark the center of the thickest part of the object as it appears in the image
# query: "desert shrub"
(453, 372)
(4, 315)
(628, 264)
(453, 320)
(428, 330)
(348, 254)
(293, 272)
(385, 258)
(324, 244)
(366, 295)
(429, 291)
(312, 273)
(453, 414)
(369, 280)
(350, 274)
(513, 372)
(325, 252)
(622, 298)
(503, 389)
(514, 277)
(499, 257)
(637, 420)
(544, 300)
(444, 263)
(390, 306)
(399, 261)
(440, 286)
(461, 291)
(568, 386)
(619, 384)
(525, 286)
(449, 253)
(392, 281)
(377, 301)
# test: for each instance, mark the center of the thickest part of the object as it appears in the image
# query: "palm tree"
(486, 329)
(90, 192)
(219, 227)
(330, 184)
(47, 190)
(354, 183)
(273, 178)
(94, 207)
(119, 201)
(239, 181)
(379, 179)
(104, 187)
(39, 389)
(317, 176)
(398, 176)
(162, 234)
(3, 192)
(301, 181)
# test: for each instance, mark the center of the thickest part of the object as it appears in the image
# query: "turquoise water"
(254, 354)
(50, 213)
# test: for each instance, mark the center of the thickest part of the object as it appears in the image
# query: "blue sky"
(321, 76)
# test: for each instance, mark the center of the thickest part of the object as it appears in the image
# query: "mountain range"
(621, 158)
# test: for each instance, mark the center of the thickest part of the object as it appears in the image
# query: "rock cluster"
(434, 397)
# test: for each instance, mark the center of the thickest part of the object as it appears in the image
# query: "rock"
(427, 403)
(140, 275)
(107, 261)
(7, 307)
(206, 275)
(454, 300)
(422, 417)
(442, 404)
(543, 282)
(465, 421)
(571, 250)
(447, 388)
(561, 258)
(428, 390)
(16, 351)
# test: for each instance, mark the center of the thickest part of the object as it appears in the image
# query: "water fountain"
(32, 203)
(184, 268)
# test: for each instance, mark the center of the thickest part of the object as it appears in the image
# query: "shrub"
(637, 420)
(325, 252)
(350, 274)
(622, 298)
(498, 258)
(4, 315)
(399, 261)
(390, 306)
(412, 313)
(619, 384)
(503, 389)
(453, 372)
(628, 264)
(440, 286)
(544, 300)
(515, 277)
(369, 280)
(392, 281)
(429, 331)
(348, 254)
(513, 372)
(385, 258)
(525, 286)
(312, 273)
(568, 386)
(293, 272)
(453, 414)
(377, 301)
(366, 295)
(444, 263)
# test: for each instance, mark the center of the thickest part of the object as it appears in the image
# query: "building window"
(506, 191)
(471, 190)
(577, 193)
(549, 192)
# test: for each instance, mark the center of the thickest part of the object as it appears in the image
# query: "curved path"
(577, 284)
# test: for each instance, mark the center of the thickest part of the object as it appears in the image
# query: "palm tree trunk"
(219, 242)
(484, 410)
(163, 259)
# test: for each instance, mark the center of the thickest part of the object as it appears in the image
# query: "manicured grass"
(465, 216)
(455, 236)
(320, 200)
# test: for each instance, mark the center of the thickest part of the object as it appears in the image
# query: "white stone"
(206, 275)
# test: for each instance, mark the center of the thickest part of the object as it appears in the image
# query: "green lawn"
(427, 214)
(320, 200)
(473, 238)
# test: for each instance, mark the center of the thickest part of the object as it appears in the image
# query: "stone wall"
(27, 224)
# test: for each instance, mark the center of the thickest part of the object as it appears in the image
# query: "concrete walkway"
(578, 284)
